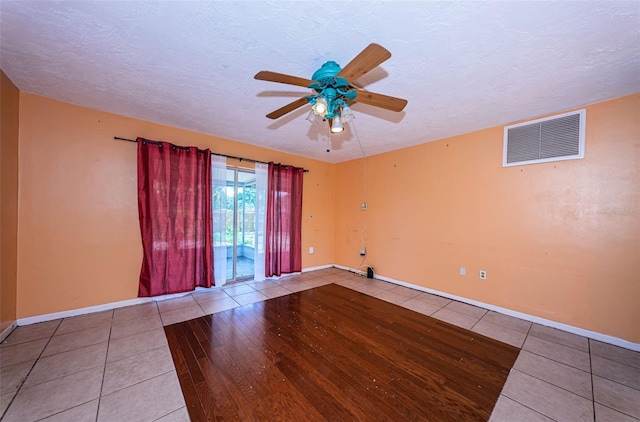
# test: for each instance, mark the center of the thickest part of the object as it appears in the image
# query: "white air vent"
(554, 138)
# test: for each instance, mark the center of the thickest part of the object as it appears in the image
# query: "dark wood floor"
(331, 353)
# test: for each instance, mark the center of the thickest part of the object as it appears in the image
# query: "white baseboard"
(114, 305)
(320, 267)
(98, 308)
(531, 318)
(82, 311)
(5, 333)
(304, 270)
(542, 321)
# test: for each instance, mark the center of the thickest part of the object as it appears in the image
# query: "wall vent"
(559, 137)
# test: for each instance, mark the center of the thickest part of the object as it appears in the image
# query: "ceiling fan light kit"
(346, 115)
(333, 89)
(336, 125)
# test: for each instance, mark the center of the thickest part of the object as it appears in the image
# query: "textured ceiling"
(463, 66)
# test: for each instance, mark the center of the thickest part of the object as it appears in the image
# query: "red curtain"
(283, 252)
(174, 207)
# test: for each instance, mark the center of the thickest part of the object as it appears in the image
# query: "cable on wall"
(364, 195)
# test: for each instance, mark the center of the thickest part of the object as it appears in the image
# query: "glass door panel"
(240, 233)
(246, 230)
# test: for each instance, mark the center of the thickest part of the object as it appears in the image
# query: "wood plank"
(331, 353)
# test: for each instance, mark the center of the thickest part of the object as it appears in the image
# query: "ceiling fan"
(335, 89)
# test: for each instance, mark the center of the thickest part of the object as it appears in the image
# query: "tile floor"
(116, 365)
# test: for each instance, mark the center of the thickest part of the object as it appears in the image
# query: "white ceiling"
(463, 66)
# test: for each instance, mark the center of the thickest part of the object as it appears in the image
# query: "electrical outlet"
(483, 275)
(311, 250)
(363, 252)
(463, 271)
(364, 206)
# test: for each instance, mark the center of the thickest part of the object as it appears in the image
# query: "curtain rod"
(224, 155)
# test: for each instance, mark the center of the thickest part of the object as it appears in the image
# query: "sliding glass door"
(240, 223)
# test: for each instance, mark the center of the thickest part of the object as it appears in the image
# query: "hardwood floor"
(331, 353)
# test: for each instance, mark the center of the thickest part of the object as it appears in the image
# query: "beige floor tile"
(262, 285)
(334, 277)
(5, 399)
(392, 297)
(286, 278)
(515, 324)
(12, 354)
(219, 305)
(148, 400)
(182, 314)
(560, 337)
(237, 289)
(507, 410)
(309, 275)
(433, 299)
(54, 396)
(384, 285)
(76, 340)
(132, 370)
(125, 347)
(343, 276)
(11, 377)
(180, 415)
(328, 271)
(563, 354)
(63, 364)
(32, 332)
(317, 282)
(617, 396)
(169, 305)
(204, 297)
(615, 371)
(368, 290)
(605, 414)
(85, 412)
(615, 353)
(134, 326)
(547, 399)
(558, 374)
(276, 291)
(455, 318)
(420, 306)
(496, 332)
(248, 298)
(84, 322)
(295, 286)
(405, 291)
(350, 283)
(466, 309)
(136, 311)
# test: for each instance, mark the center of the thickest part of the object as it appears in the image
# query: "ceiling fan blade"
(288, 108)
(265, 75)
(380, 100)
(370, 57)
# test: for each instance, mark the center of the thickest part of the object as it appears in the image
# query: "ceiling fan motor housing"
(327, 72)
(335, 89)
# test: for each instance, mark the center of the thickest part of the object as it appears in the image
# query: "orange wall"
(558, 240)
(9, 107)
(79, 240)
